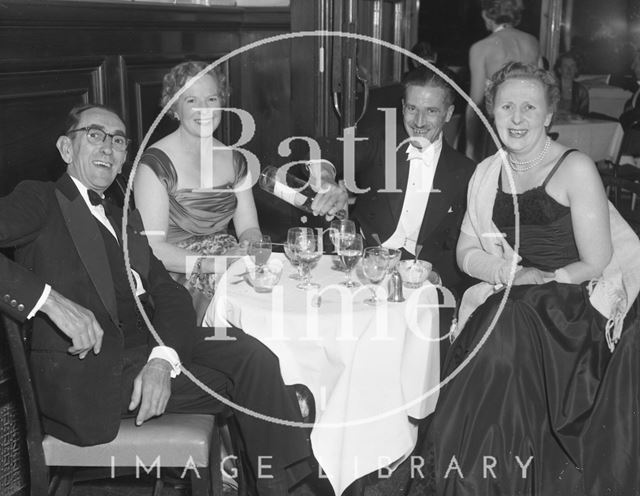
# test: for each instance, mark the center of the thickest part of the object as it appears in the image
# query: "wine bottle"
(291, 189)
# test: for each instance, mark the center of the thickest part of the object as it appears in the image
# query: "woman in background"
(184, 223)
(574, 97)
(504, 44)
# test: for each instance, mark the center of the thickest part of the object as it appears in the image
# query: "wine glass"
(289, 249)
(375, 262)
(350, 251)
(341, 229)
(305, 249)
(260, 251)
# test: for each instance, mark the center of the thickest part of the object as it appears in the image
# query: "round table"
(370, 368)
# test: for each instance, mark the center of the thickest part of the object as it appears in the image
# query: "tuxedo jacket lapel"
(396, 201)
(441, 194)
(88, 241)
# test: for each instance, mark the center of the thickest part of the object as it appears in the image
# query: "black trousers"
(248, 373)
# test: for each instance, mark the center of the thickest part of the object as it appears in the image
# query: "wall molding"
(85, 15)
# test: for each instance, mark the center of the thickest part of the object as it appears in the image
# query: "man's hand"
(330, 199)
(151, 390)
(530, 275)
(76, 322)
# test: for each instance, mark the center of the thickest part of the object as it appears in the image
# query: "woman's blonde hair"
(178, 76)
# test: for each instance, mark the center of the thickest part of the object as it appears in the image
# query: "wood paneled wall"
(54, 54)
(57, 53)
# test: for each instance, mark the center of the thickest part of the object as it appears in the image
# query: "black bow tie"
(96, 200)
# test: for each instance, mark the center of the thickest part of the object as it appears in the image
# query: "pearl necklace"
(525, 165)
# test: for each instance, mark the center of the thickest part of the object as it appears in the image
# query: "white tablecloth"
(367, 367)
(599, 139)
(608, 100)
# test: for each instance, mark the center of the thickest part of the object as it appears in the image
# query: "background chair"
(622, 192)
(172, 440)
(630, 146)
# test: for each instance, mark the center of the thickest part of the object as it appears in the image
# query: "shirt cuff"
(168, 354)
(41, 300)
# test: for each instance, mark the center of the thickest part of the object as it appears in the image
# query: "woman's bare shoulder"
(166, 144)
(578, 165)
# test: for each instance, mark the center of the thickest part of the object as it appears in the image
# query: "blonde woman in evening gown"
(186, 226)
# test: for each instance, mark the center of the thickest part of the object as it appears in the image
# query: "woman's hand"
(217, 264)
(530, 275)
(238, 251)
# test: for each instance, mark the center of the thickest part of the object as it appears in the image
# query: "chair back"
(623, 191)
(630, 144)
(17, 339)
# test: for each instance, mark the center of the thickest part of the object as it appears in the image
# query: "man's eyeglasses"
(95, 136)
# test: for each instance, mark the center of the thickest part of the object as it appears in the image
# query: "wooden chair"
(622, 192)
(614, 169)
(172, 440)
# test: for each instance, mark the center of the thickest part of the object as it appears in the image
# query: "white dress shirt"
(422, 169)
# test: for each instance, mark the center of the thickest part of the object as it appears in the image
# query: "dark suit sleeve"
(22, 215)
(631, 116)
(20, 289)
(174, 317)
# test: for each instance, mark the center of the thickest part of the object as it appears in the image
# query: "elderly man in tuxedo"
(425, 205)
(92, 356)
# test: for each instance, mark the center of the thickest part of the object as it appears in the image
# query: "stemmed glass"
(304, 245)
(289, 249)
(260, 251)
(375, 262)
(341, 229)
(350, 251)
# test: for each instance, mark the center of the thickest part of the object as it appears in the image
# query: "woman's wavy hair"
(178, 76)
(503, 11)
(518, 70)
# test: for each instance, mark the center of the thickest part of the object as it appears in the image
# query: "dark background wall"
(452, 26)
(605, 33)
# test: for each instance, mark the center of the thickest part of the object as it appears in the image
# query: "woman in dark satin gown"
(543, 391)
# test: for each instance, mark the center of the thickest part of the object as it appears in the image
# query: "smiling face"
(425, 111)
(94, 165)
(521, 115)
(203, 93)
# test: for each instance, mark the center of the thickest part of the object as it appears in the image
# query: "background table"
(367, 367)
(597, 138)
(608, 100)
